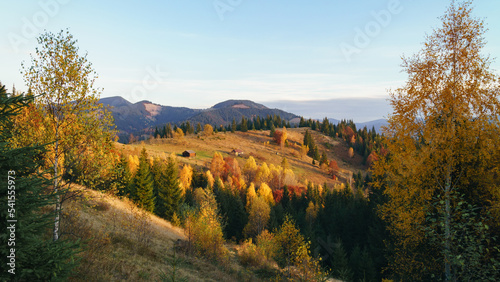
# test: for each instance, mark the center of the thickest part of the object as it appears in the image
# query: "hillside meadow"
(259, 145)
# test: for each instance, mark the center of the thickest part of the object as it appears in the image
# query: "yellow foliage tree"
(258, 218)
(204, 229)
(283, 138)
(208, 130)
(350, 152)
(293, 250)
(276, 176)
(289, 178)
(133, 162)
(266, 193)
(217, 165)
(250, 196)
(210, 179)
(179, 134)
(75, 127)
(263, 174)
(443, 141)
(265, 244)
(250, 169)
(185, 177)
(311, 212)
(308, 267)
(304, 149)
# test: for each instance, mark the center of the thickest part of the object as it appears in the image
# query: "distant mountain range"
(144, 115)
(357, 109)
(377, 124)
(374, 123)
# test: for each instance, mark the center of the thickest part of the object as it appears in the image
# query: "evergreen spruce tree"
(169, 190)
(156, 171)
(273, 129)
(257, 123)
(244, 124)
(122, 177)
(302, 122)
(36, 257)
(168, 131)
(233, 126)
(324, 158)
(232, 209)
(142, 184)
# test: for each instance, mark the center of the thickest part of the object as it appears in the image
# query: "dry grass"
(124, 243)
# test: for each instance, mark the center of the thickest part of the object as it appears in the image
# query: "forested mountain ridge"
(131, 118)
(144, 114)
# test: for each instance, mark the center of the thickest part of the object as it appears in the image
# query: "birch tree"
(62, 82)
(443, 139)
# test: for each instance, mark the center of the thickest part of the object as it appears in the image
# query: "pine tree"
(232, 209)
(189, 128)
(233, 126)
(122, 177)
(273, 129)
(325, 126)
(168, 131)
(37, 258)
(302, 122)
(198, 128)
(156, 170)
(244, 124)
(341, 269)
(257, 123)
(168, 190)
(3, 92)
(324, 159)
(142, 184)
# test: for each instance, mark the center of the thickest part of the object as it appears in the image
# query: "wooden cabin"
(189, 154)
(237, 152)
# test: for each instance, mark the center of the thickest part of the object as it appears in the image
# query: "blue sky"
(198, 53)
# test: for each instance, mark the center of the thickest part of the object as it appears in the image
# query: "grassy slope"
(124, 244)
(254, 143)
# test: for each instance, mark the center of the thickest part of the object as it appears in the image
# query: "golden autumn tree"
(186, 177)
(210, 179)
(217, 165)
(208, 130)
(266, 193)
(74, 125)
(250, 196)
(304, 149)
(250, 169)
(133, 163)
(259, 214)
(443, 140)
(204, 229)
(262, 174)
